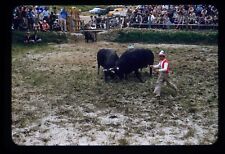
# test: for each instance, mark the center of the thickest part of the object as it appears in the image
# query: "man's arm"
(155, 66)
(165, 67)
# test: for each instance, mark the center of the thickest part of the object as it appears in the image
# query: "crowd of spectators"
(31, 18)
(175, 14)
(162, 15)
(35, 18)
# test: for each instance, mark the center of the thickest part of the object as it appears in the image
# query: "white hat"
(130, 46)
(162, 53)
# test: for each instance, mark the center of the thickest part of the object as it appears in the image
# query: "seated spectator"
(153, 18)
(204, 12)
(37, 27)
(201, 19)
(145, 19)
(45, 26)
(56, 26)
(166, 21)
(191, 9)
(31, 38)
(192, 18)
(209, 19)
(27, 38)
(52, 19)
(98, 22)
(215, 19)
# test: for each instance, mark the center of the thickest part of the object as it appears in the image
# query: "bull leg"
(150, 71)
(121, 76)
(138, 75)
(126, 77)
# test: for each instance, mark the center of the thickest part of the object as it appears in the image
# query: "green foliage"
(47, 37)
(167, 36)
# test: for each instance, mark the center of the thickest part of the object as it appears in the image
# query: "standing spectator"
(52, 19)
(23, 22)
(98, 22)
(38, 12)
(62, 19)
(16, 18)
(92, 20)
(46, 15)
(30, 17)
(125, 22)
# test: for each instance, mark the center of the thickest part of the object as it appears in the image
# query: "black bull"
(107, 59)
(89, 36)
(132, 60)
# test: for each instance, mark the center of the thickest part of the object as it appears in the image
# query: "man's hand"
(151, 66)
(157, 71)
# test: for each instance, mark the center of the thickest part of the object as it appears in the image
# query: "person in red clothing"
(163, 69)
(45, 26)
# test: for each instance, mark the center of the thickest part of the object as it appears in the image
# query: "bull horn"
(110, 69)
(104, 70)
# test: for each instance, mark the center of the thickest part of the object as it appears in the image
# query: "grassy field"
(58, 98)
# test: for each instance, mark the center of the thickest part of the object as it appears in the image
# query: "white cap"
(130, 46)
(162, 53)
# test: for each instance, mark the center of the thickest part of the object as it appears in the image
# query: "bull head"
(109, 70)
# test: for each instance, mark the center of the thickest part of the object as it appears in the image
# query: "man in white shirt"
(163, 69)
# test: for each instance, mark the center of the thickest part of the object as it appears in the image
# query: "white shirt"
(160, 66)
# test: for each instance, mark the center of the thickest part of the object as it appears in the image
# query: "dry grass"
(62, 81)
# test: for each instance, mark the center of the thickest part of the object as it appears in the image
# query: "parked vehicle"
(97, 10)
(117, 12)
